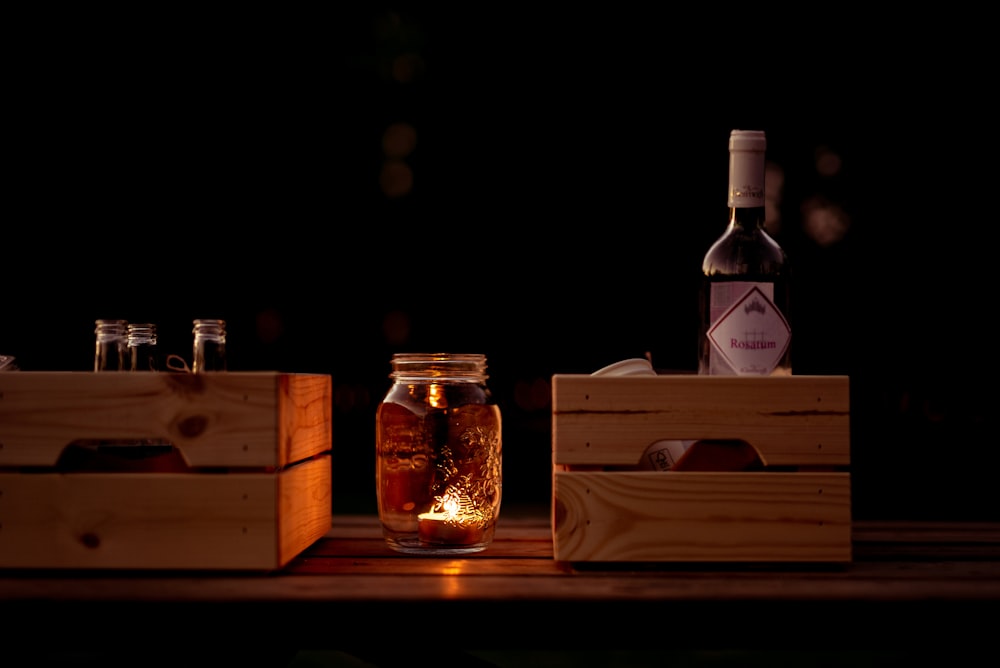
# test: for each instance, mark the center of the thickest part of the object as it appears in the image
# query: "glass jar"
(438, 455)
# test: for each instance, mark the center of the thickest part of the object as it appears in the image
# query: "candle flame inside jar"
(450, 522)
(449, 509)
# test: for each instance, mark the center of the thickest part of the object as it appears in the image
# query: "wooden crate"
(247, 485)
(796, 507)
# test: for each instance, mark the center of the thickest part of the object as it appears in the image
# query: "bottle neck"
(111, 330)
(746, 180)
(747, 217)
(212, 330)
(142, 347)
(111, 353)
(746, 190)
(209, 346)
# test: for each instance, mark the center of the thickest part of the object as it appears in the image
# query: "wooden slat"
(610, 420)
(303, 507)
(239, 419)
(329, 595)
(305, 416)
(695, 516)
(351, 562)
(231, 521)
(137, 520)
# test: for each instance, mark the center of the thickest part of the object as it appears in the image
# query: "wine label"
(661, 455)
(749, 334)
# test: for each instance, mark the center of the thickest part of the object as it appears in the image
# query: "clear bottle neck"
(111, 330)
(212, 330)
(439, 367)
(209, 352)
(111, 351)
(142, 347)
(141, 334)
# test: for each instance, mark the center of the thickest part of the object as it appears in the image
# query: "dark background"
(566, 174)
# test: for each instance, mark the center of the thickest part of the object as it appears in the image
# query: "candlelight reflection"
(435, 396)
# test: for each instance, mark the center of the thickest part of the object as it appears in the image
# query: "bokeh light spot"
(396, 178)
(399, 140)
(824, 222)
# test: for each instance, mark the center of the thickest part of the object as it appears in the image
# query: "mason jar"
(438, 453)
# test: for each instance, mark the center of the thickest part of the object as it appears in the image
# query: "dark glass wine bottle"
(745, 327)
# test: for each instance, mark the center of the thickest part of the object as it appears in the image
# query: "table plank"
(926, 577)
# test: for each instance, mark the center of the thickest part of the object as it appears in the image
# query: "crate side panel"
(798, 420)
(305, 506)
(126, 521)
(701, 517)
(306, 416)
(228, 419)
(221, 419)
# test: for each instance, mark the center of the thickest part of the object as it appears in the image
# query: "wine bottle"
(744, 302)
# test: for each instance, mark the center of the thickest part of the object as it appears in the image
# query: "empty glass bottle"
(209, 352)
(123, 347)
(142, 347)
(111, 352)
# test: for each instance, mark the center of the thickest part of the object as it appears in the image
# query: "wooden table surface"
(932, 583)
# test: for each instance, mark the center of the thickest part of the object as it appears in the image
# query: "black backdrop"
(568, 173)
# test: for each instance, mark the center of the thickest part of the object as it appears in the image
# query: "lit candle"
(446, 524)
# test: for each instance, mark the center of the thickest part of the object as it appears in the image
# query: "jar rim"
(464, 366)
(458, 357)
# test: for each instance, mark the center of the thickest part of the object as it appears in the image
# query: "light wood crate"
(796, 508)
(253, 489)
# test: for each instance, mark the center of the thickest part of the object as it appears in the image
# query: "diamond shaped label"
(752, 335)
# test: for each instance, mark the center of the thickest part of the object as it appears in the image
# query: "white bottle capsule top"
(747, 140)
(746, 168)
